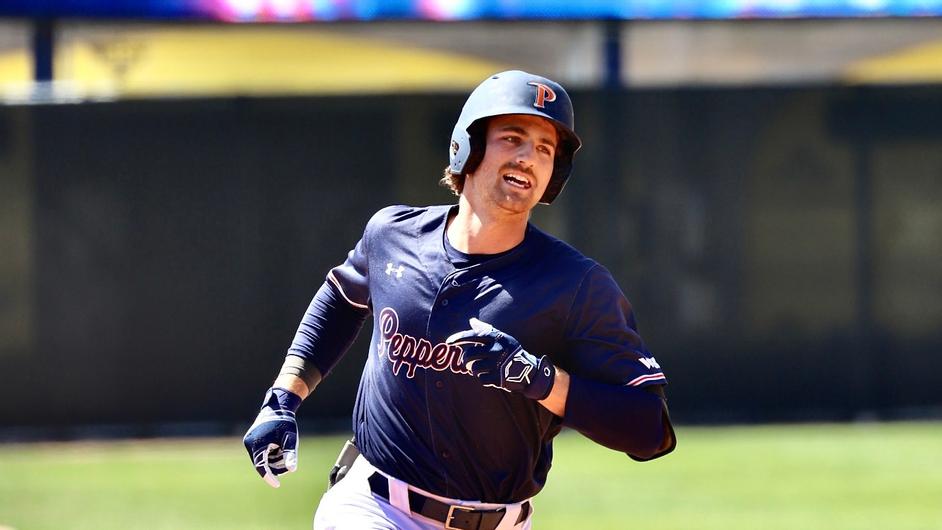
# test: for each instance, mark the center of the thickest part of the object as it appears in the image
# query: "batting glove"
(498, 360)
(272, 441)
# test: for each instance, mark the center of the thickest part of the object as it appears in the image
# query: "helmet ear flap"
(477, 132)
(562, 167)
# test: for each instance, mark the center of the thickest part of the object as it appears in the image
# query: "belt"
(453, 516)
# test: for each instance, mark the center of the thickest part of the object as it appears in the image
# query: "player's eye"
(544, 149)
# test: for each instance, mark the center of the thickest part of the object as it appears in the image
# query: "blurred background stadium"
(763, 178)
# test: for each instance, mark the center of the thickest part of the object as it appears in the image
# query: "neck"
(473, 232)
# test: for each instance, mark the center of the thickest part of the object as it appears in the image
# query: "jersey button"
(444, 302)
(439, 385)
(446, 454)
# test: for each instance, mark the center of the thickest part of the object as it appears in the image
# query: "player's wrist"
(555, 401)
(298, 375)
(279, 398)
(545, 378)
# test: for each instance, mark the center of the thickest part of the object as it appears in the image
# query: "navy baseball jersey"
(420, 415)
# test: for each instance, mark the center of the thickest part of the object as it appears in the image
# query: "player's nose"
(526, 154)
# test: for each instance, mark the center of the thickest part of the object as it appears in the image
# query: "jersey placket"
(448, 313)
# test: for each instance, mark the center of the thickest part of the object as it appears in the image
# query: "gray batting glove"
(272, 440)
(498, 360)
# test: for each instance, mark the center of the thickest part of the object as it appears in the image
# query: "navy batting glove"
(272, 441)
(498, 360)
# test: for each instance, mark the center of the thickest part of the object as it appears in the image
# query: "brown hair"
(453, 182)
(477, 132)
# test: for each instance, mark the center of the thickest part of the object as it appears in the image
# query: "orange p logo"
(544, 94)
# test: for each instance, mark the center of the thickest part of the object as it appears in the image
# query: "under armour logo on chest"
(398, 270)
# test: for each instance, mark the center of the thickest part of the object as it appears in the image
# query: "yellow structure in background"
(15, 67)
(918, 64)
(198, 60)
(246, 60)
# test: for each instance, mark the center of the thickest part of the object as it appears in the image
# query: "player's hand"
(272, 441)
(498, 360)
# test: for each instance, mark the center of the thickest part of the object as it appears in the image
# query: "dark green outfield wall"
(782, 246)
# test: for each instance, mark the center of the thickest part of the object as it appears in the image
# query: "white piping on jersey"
(645, 378)
(333, 279)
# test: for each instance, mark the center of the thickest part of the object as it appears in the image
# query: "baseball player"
(489, 336)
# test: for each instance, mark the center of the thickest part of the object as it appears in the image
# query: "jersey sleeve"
(603, 342)
(352, 278)
(609, 365)
(337, 311)
(328, 329)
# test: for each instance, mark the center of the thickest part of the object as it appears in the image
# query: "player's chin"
(516, 206)
(518, 200)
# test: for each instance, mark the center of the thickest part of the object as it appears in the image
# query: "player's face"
(517, 164)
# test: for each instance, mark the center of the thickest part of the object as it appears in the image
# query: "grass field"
(879, 476)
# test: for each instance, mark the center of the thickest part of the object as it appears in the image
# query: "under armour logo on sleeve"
(398, 270)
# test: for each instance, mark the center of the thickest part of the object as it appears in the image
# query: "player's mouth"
(517, 181)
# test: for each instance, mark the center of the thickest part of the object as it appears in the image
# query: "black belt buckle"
(451, 515)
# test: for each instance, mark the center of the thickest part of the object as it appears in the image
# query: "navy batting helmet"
(515, 92)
